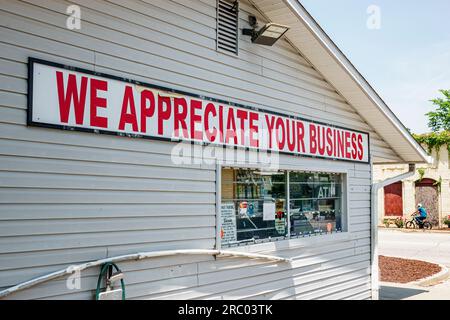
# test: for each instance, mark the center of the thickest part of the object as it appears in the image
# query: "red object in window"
(243, 205)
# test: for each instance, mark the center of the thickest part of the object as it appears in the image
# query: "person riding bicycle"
(422, 214)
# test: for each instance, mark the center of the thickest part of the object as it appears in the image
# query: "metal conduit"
(136, 256)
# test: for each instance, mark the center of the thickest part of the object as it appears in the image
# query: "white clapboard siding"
(71, 197)
(147, 59)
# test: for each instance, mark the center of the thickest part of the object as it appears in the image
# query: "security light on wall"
(267, 35)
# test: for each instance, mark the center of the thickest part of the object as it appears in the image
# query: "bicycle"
(413, 224)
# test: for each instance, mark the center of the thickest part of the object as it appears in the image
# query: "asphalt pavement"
(421, 245)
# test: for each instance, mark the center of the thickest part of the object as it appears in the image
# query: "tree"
(440, 119)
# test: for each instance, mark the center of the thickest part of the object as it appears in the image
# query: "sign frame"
(32, 61)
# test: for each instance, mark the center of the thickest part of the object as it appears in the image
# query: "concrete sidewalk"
(444, 230)
(393, 291)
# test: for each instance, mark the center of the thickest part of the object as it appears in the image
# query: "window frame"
(287, 241)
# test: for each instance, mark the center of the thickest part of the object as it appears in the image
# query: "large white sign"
(64, 97)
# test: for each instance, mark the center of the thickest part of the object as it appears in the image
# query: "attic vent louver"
(227, 26)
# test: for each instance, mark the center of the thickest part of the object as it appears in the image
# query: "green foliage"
(447, 220)
(439, 123)
(399, 223)
(440, 119)
(421, 173)
(386, 223)
(434, 140)
(438, 184)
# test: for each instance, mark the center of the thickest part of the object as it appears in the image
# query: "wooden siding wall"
(71, 197)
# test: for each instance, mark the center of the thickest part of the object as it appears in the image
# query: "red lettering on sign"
(221, 132)
(312, 139)
(301, 137)
(242, 115)
(125, 117)
(347, 144)
(253, 116)
(231, 127)
(354, 146)
(340, 142)
(146, 110)
(196, 118)
(329, 135)
(321, 140)
(97, 102)
(291, 137)
(280, 129)
(163, 114)
(270, 127)
(180, 110)
(335, 143)
(65, 100)
(190, 117)
(210, 134)
(360, 147)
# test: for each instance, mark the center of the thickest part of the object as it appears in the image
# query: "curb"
(414, 230)
(434, 279)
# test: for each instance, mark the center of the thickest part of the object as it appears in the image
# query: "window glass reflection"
(254, 204)
(315, 205)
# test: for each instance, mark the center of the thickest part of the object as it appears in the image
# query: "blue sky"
(406, 61)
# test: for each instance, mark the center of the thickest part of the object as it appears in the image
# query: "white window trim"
(305, 242)
(285, 243)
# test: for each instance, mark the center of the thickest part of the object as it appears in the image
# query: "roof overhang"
(316, 46)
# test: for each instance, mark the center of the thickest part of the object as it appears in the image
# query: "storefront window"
(315, 203)
(254, 205)
(258, 203)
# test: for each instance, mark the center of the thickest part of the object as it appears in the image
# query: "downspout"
(374, 197)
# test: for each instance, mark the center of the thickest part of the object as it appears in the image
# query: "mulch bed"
(404, 270)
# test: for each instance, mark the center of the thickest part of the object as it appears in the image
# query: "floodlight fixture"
(268, 34)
